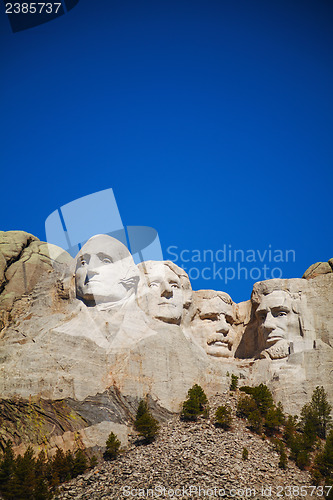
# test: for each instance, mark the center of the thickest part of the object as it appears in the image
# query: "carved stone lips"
(218, 340)
(274, 337)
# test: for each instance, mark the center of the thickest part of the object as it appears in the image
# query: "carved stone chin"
(279, 350)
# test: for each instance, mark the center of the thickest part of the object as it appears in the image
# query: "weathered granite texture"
(78, 332)
(318, 268)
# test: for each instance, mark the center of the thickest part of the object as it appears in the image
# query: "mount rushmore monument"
(83, 339)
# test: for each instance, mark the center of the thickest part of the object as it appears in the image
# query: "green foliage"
(290, 429)
(316, 414)
(223, 417)
(283, 459)
(256, 421)
(245, 453)
(258, 407)
(196, 404)
(80, 463)
(113, 445)
(145, 424)
(300, 450)
(274, 419)
(93, 462)
(234, 382)
(280, 448)
(7, 465)
(29, 478)
(245, 406)
(263, 398)
(323, 465)
(196, 392)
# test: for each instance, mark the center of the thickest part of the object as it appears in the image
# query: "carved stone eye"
(106, 260)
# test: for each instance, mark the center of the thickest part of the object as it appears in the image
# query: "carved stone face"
(277, 322)
(210, 327)
(160, 294)
(103, 266)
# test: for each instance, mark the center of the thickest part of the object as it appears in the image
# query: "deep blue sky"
(211, 120)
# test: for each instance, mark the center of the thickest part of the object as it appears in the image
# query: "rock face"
(318, 268)
(192, 455)
(23, 261)
(97, 333)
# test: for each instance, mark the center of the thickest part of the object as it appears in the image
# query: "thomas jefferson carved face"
(278, 323)
(211, 324)
(105, 271)
(160, 294)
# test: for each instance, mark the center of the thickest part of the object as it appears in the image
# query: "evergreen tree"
(245, 406)
(7, 464)
(195, 405)
(145, 424)
(61, 467)
(23, 481)
(113, 444)
(256, 421)
(274, 419)
(234, 382)
(223, 417)
(263, 398)
(324, 461)
(80, 463)
(290, 429)
(319, 411)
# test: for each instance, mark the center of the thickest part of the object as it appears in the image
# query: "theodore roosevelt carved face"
(105, 271)
(210, 326)
(163, 291)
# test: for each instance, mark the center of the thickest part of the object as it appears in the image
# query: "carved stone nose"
(91, 273)
(223, 328)
(167, 293)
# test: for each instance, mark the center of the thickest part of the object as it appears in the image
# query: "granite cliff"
(83, 340)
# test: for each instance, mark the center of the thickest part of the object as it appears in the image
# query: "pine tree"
(263, 398)
(223, 417)
(196, 404)
(322, 409)
(7, 465)
(245, 406)
(234, 382)
(145, 424)
(113, 444)
(23, 481)
(324, 460)
(80, 463)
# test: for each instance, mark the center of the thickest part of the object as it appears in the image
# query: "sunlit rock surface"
(69, 336)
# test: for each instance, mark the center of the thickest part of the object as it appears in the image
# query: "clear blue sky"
(211, 120)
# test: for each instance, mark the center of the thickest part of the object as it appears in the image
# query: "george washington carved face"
(105, 271)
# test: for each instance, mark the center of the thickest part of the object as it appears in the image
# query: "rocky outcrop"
(100, 348)
(23, 262)
(192, 455)
(318, 268)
